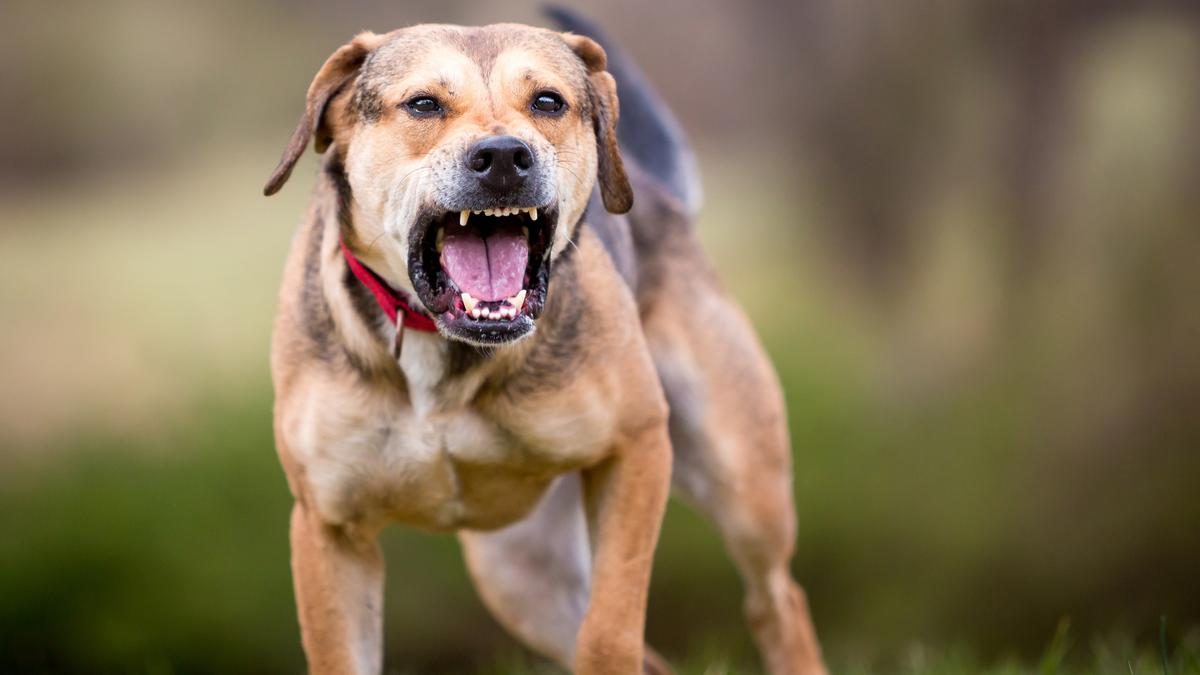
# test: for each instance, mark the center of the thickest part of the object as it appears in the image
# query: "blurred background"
(967, 231)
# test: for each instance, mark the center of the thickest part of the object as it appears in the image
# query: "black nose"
(501, 163)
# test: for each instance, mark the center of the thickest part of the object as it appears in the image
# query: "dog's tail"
(646, 130)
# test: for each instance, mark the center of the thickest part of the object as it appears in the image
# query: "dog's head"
(468, 156)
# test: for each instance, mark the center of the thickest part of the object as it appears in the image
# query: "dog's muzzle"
(483, 273)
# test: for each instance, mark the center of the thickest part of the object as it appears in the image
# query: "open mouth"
(483, 273)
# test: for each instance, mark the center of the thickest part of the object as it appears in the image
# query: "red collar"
(391, 301)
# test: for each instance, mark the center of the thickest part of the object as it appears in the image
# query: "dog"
(497, 321)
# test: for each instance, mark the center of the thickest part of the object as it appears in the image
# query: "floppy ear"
(339, 69)
(602, 98)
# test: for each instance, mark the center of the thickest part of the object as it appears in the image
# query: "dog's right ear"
(339, 69)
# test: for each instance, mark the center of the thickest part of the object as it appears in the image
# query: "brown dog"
(467, 341)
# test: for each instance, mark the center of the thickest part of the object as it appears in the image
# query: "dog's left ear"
(602, 98)
(339, 68)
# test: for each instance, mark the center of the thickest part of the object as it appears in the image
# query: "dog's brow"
(429, 86)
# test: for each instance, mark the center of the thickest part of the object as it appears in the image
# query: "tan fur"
(367, 439)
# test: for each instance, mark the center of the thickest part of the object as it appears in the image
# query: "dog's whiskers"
(569, 170)
(374, 241)
(572, 242)
(410, 174)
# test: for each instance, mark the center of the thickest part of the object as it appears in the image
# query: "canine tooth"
(469, 302)
(517, 301)
(462, 217)
(441, 236)
(532, 213)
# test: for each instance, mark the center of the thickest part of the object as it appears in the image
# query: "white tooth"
(477, 212)
(518, 301)
(462, 217)
(469, 302)
(476, 312)
(532, 213)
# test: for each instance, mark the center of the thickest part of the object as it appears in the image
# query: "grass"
(128, 559)
(1062, 656)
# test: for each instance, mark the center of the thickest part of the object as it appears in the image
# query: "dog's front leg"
(338, 573)
(626, 496)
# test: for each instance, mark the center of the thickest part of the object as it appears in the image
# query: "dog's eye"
(548, 102)
(423, 106)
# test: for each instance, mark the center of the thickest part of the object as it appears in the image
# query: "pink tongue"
(491, 269)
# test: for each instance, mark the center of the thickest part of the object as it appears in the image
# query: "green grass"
(1062, 656)
(129, 558)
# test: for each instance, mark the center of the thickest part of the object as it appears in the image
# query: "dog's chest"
(437, 464)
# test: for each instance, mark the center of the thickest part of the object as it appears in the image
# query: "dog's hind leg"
(534, 575)
(732, 461)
